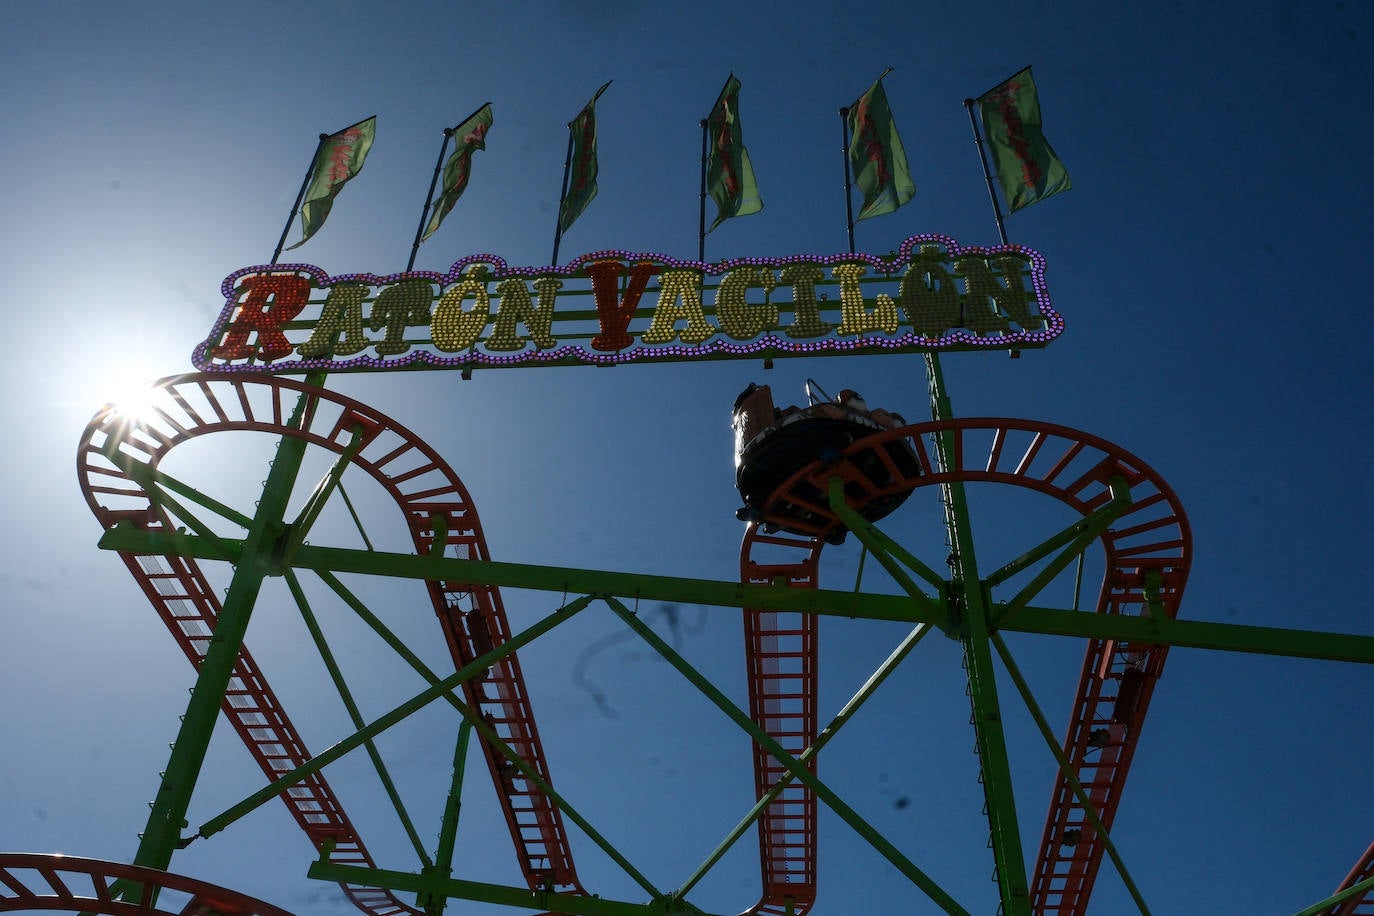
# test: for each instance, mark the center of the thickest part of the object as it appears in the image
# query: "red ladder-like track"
(1147, 561)
(69, 885)
(1363, 905)
(473, 618)
(1151, 539)
(1148, 552)
(781, 654)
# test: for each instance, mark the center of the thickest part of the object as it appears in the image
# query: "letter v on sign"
(613, 311)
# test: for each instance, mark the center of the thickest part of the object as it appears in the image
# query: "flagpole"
(848, 180)
(987, 173)
(424, 214)
(300, 195)
(701, 222)
(562, 196)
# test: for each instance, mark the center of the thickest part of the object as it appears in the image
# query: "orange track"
(1362, 905)
(781, 650)
(1150, 540)
(71, 885)
(422, 485)
(1117, 679)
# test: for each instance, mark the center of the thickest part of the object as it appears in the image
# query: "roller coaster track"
(1148, 554)
(781, 654)
(423, 486)
(62, 884)
(1362, 905)
(1147, 558)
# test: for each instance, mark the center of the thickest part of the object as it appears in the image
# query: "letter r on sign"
(269, 301)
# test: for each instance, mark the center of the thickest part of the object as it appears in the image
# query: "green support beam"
(1066, 768)
(822, 738)
(433, 885)
(794, 766)
(433, 904)
(1324, 907)
(125, 537)
(1077, 536)
(299, 530)
(969, 600)
(865, 605)
(162, 836)
(379, 725)
(354, 713)
(1196, 634)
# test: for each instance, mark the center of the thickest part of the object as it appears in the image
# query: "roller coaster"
(157, 525)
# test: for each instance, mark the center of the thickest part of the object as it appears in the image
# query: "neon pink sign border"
(767, 345)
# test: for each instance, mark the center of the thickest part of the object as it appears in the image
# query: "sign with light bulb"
(614, 307)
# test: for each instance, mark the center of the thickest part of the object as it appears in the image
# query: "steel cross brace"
(126, 537)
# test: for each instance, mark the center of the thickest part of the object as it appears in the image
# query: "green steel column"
(162, 835)
(431, 901)
(971, 608)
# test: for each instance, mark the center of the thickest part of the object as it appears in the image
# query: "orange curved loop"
(424, 487)
(1148, 554)
(72, 885)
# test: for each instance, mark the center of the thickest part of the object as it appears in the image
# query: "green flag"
(470, 136)
(582, 172)
(876, 154)
(729, 174)
(1027, 167)
(340, 157)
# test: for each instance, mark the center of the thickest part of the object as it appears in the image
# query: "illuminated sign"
(615, 307)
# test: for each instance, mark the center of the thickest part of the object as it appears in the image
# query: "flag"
(729, 174)
(582, 173)
(471, 136)
(876, 154)
(1027, 167)
(340, 157)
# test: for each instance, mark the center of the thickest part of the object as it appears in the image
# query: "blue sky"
(1207, 261)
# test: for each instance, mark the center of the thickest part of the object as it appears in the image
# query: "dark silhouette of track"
(1147, 552)
(472, 618)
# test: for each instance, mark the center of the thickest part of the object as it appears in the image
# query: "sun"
(130, 396)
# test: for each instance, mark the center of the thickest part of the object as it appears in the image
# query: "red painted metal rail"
(473, 619)
(62, 884)
(781, 654)
(1363, 905)
(1147, 558)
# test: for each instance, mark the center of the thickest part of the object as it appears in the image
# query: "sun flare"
(131, 398)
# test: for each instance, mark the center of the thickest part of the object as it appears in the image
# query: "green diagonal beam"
(1350, 893)
(144, 474)
(162, 835)
(822, 738)
(1066, 768)
(397, 645)
(357, 522)
(471, 717)
(355, 715)
(377, 726)
(879, 546)
(159, 497)
(1092, 525)
(1095, 525)
(300, 528)
(872, 537)
(794, 766)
